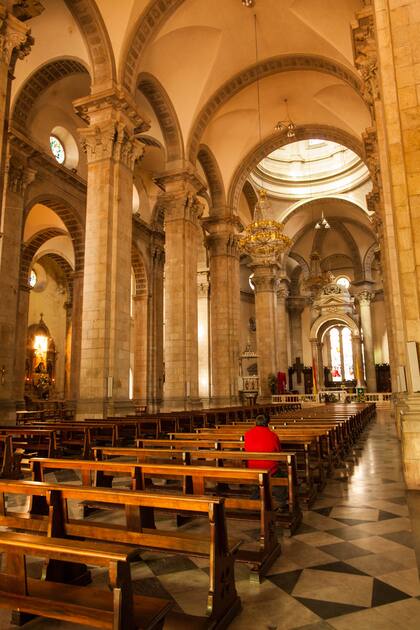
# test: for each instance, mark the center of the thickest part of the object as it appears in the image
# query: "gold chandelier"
(263, 239)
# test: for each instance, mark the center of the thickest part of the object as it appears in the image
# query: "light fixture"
(248, 3)
(287, 125)
(263, 239)
(322, 223)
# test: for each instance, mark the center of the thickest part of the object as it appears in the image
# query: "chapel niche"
(40, 362)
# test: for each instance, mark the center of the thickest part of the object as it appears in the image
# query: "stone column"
(224, 307)
(315, 364)
(76, 334)
(296, 306)
(140, 315)
(155, 367)
(182, 233)
(112, 151)
(365, 298)
(67, 351)
(358, 361)
(204, 370)
(14, 289)
(266, 283)
(282, 328)
(15, 43)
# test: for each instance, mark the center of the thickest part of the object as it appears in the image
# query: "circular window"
(57, 149)
(32, 279)
(342, 281)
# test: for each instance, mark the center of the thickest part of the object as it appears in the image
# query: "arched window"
(57, 149)
(342, 281)
(32, 279)
(341, 353)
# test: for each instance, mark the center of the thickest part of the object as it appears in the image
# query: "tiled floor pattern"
(351, 565)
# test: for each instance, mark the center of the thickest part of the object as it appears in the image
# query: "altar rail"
(382, 399)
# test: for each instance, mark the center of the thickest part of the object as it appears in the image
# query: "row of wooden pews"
(197, 474)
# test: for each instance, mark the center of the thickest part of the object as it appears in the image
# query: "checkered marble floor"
(351, 564)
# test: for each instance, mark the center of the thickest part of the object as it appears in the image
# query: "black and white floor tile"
(351, 564)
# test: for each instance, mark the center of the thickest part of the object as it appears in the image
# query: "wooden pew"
(193, 480)
(117, 609)
(49, 513)
(290, 520)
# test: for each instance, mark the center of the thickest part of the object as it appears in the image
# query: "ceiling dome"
(308, 168)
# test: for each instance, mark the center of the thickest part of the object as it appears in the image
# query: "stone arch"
(150, 21)
(30, 248)
(213, 175)
(301, 261)
(277, 140)
(65, 267)
(327, 320)
(265, 68)
(92, 27)
(39, 81)
(70, 219)
(139, 270)
(250, 196)
(165, 113)
(368, 260)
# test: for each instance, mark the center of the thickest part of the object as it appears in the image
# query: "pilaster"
(155, 369)
(183, 232)
(14, 297)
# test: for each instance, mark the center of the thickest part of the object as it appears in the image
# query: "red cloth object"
(281, 382)
(262, 440)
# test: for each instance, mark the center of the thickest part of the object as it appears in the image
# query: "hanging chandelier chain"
(258, 78)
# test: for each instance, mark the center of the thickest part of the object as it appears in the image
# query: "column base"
(410, 440)
(102, 408)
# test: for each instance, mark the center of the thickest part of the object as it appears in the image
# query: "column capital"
(14, 37)
(222, 239)
(114, 124)
(283, 289)
(365, 297)
(296, 304)
(19, 175)
(265, 277)
(180, 196)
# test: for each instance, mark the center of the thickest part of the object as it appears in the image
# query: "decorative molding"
(214, 176)
(365, 55)
(15, 38)
(265, 68)
(89, 20)
(165, 113)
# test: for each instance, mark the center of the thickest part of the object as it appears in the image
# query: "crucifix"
(298, 368)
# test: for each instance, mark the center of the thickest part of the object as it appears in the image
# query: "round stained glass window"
(343, 282)
(32, 279)
(57, 149)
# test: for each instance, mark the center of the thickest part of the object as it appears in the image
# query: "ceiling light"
(248, 3)
(287, 125)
